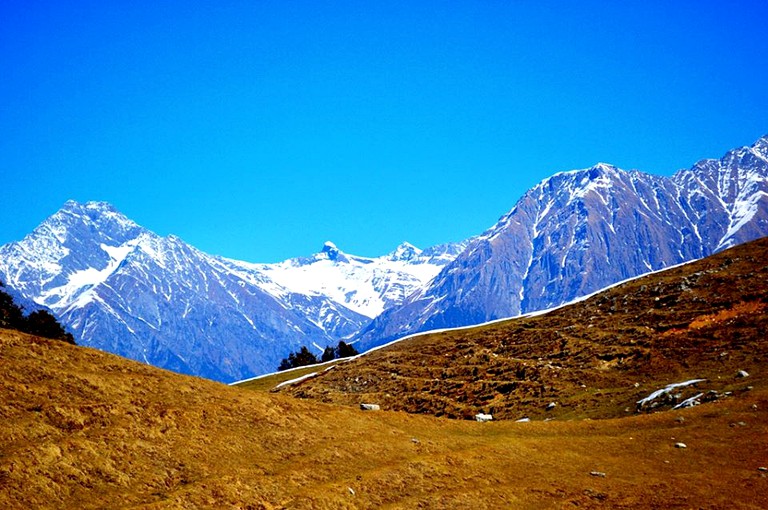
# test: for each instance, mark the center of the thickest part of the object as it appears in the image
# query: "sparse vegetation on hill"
(342, 350)
(301, 358)
(597, 358)
(304, 357)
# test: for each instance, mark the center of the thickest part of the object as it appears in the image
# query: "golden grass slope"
(85, 429)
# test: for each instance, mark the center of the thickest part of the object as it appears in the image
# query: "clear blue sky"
(259, 129)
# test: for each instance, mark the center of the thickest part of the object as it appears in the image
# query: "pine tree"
(10, 314)
(328, 354)
(344, 350)
(42, 323)
(298, 359)
(304, 357)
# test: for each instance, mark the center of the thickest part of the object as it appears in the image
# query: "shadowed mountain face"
(580, 231)
(598, 358)
(126, 290)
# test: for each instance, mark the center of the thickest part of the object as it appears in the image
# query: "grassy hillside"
(85, 429)
(597, 358)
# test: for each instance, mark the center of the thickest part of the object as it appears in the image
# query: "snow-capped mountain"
(367, 286)
(579, 231)
(122, 288)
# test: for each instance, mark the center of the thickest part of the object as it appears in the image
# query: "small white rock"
(742, 373)
(351, 490)
(370, 407)
(481, 417)
(680, 445)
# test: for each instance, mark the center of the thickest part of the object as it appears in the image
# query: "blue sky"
(260, 129)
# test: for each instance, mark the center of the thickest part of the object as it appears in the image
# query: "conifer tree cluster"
(40, 322)
(343, 350)
(304, 357)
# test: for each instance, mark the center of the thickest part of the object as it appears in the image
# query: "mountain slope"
(122, 288)
(596, 358)
(126, 290)
(577, 232)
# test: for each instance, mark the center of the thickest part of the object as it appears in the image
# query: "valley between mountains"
(86, 429)
(651, 393)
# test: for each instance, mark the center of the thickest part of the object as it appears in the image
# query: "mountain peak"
(405, 251)
(606, 167)
(331, 251)
(93, 210)
(761, 146)
(81, 220)
(91, 205)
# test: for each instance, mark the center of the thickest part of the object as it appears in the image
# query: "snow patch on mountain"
(122, 288)
(365, 285)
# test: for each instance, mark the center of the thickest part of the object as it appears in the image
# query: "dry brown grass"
(738, 310)
(85, 429)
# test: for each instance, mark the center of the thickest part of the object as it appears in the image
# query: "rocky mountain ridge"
(122, 288)
(579, 231)
(696, 329)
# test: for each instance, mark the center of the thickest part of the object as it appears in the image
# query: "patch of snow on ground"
(298, 379)
(656, 394)
(689, 402)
